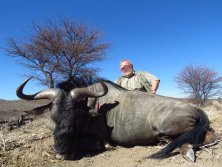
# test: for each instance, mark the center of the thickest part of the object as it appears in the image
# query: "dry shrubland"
(32, 145)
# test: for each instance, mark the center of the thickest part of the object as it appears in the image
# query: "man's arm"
(155, 86)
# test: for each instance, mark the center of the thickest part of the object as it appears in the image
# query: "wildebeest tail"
(195, 136)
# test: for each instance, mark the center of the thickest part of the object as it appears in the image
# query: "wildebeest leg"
(210, 138)
(187, 151)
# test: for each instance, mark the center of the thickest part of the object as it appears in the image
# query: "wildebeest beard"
(71, 137)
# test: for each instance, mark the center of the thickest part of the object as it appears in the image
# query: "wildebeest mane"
(77, 82)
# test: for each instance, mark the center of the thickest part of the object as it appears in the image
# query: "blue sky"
(158, 36)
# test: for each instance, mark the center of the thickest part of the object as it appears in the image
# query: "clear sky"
(158, 36)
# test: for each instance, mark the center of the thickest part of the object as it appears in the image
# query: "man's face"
(126, 69)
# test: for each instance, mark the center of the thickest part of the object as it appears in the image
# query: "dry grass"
(214, 112)
(32, 145)
(26, 145)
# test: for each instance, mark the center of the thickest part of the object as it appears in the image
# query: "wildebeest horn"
(85, 92)
(46, 94)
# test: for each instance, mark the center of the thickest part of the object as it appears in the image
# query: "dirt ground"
(32, 145)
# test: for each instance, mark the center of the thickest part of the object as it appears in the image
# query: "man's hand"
(153, 91)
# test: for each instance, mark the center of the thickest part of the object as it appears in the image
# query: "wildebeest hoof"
(190, 156)
(187, 152)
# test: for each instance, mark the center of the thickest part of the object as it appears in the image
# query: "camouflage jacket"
(140, 80)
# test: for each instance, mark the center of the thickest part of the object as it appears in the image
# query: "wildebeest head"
(68, 109)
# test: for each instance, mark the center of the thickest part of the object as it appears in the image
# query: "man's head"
(126, 68)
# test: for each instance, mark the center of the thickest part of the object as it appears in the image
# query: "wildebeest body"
(139, 118)
(128, 118)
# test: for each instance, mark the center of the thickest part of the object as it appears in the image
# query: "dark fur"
(77, 132)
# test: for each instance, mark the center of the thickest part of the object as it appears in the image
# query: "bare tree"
(199, 82)
(55, 52)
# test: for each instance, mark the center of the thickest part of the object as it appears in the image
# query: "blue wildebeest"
(128, 118)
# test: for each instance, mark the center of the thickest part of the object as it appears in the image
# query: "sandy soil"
(32, 145)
